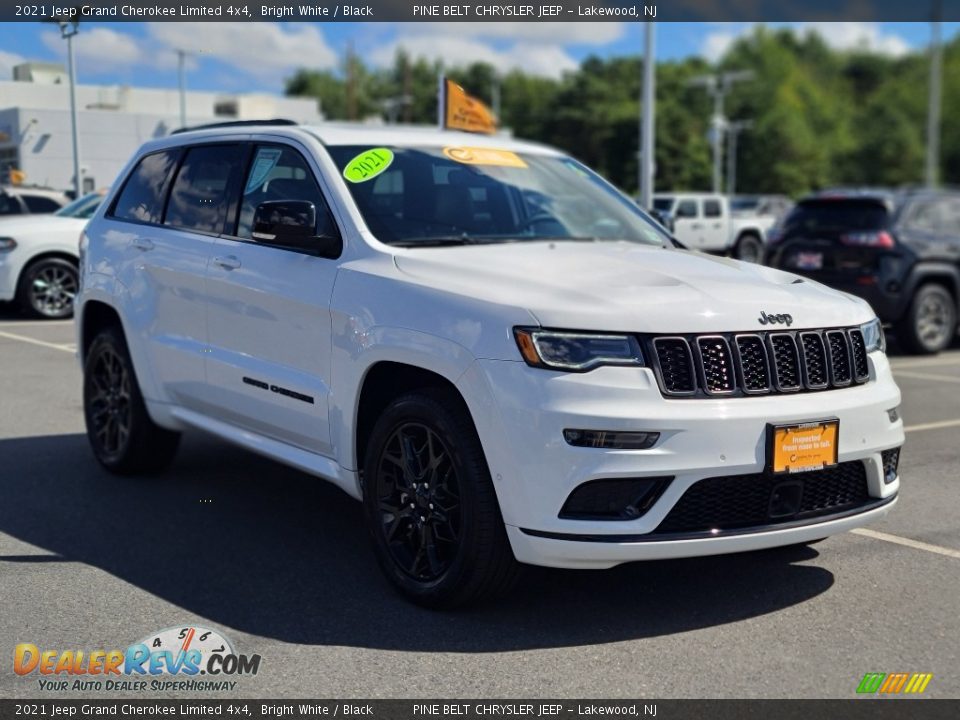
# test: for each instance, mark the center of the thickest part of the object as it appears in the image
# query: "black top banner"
(522, 11)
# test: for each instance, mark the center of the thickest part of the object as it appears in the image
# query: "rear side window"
(206, 188)
(837, 216)
(141, 199)
(711, 208)
(40, 204)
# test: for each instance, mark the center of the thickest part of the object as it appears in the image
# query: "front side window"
(141, 199)
(278, 173)
(9, 205)
(687, 209)
(413, 196)
(205, 187)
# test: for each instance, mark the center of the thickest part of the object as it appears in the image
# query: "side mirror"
(293, 224)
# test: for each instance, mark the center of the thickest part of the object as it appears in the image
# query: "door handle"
(143, 244)
(695, 226)
(228, 262)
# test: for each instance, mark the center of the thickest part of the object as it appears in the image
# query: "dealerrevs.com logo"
(180, 658)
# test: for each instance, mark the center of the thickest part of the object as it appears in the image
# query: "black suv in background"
(899, 251)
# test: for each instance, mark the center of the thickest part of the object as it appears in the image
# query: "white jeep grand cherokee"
(494, 349)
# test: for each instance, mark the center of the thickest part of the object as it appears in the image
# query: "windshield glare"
(426, 194)
(82, 208)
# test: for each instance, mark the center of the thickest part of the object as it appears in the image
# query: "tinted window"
(9, 205)
(837, 216)
(141, 199)
(711, 208)
(663, 204)
(278, 173)
(205, 187)
(40, 204)
(687, 209)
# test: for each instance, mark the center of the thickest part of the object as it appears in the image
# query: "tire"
(930, 323)
(749, 248)
(442, 544)
(47, 288)
(121, 434)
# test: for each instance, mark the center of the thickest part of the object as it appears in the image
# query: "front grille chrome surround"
(718, 365)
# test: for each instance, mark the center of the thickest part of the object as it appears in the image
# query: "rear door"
(167, 251)
(269, 312)
(687, 223)
(715, 225)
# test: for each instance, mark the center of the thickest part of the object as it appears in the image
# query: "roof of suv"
(370, 135)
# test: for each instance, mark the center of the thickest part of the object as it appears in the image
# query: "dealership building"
(113, 121)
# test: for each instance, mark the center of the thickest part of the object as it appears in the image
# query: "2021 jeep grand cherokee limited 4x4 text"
(500, 354)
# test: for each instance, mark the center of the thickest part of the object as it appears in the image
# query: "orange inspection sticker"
(484, 156)
(800, 448)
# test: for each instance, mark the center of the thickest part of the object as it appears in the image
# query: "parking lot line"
(37, 323)
(932, 425)
(907, 542)
(66, 347)
(926, 376)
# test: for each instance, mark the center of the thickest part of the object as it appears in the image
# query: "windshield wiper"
(438, 241)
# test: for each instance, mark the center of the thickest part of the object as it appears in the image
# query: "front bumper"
(8, 276)
(521, 412)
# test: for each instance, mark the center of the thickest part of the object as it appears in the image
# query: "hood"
(17, 226)
(625, 287)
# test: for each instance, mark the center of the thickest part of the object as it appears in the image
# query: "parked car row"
(39, 255)
(899, 250)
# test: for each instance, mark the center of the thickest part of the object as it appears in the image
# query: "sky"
(257, 57)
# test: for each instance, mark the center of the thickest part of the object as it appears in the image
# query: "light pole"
(935, 91)
(182, 84)
(69, 28)
(734, 129)
(717, 86)
(647, 120)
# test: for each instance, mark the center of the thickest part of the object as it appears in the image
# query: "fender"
(350, 366)
(923, 271)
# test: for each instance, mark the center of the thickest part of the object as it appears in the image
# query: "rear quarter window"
(141, 199)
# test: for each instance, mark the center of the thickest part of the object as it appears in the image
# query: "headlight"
(576, 352)
(7, 244)
(873, 336)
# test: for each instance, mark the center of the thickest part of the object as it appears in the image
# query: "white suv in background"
(494, 349)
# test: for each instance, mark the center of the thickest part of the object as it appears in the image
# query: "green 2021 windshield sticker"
(368, 164)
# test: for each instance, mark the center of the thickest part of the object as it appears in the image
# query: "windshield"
(83, 208)
(663, 204)
(460, 195)
(744, 204)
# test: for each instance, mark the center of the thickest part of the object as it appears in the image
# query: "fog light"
(611, 440)
(891, 463)
(893, 414)
(613, 499)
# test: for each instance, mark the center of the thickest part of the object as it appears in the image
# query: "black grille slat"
(815, 371)
(786, 362)
(741, 364)
(676, 365)
(858, 351)
(716, 365)
(754, 369)
(839, 352)
(742, 501)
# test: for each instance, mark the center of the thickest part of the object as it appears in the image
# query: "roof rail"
(235, 123)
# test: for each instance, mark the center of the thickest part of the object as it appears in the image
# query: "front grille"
(742, 501)
(738, 364)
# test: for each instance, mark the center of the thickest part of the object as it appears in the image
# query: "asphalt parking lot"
(279, 562)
